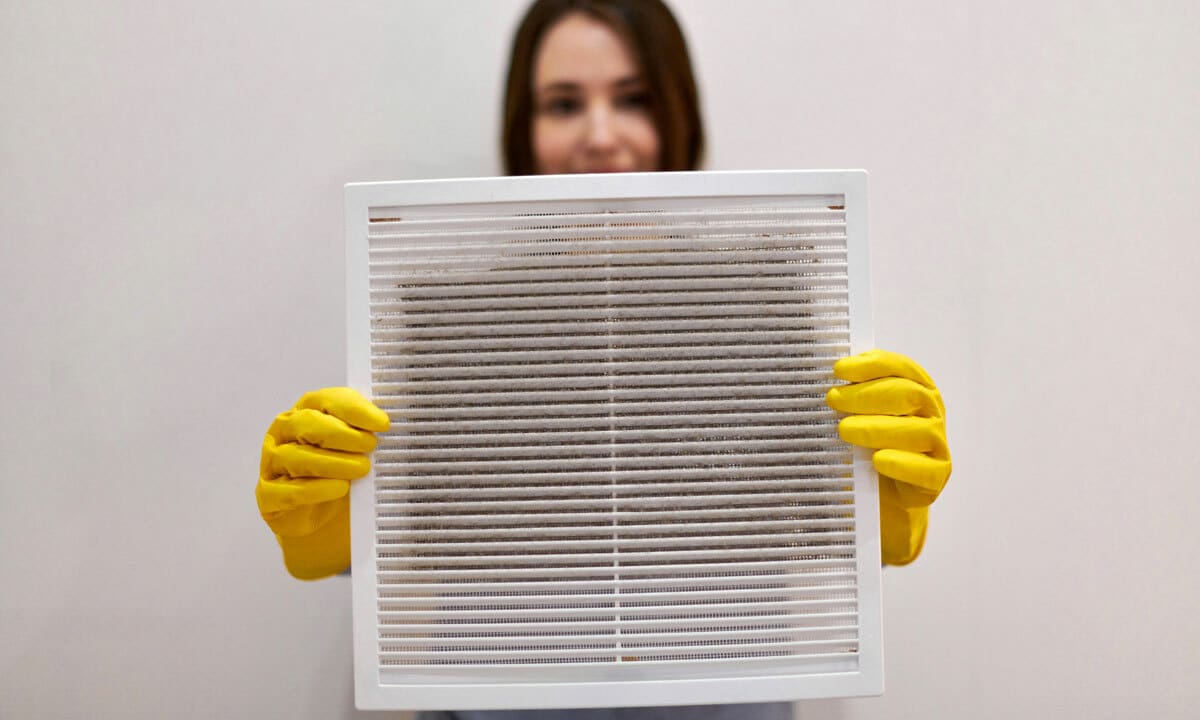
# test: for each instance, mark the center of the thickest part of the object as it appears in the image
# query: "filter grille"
(609, 441)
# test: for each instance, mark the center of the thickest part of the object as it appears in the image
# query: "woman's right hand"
(309, 456)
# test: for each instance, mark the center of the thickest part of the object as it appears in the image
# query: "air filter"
(611, 477)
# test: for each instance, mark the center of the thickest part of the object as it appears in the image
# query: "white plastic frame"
(370, 692)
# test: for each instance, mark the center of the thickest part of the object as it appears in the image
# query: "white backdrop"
(171, 277)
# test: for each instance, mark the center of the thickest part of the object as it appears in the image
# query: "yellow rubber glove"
(309, 456)
(896, 409)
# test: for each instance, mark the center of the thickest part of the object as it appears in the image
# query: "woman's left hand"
(896, 409)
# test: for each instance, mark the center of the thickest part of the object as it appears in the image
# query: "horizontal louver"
(609, 443)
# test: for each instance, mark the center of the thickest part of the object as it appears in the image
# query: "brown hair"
(660, 51)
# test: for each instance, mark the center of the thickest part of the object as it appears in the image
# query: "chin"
(608, 169)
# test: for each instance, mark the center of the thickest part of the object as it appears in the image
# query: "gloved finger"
(886, 396)
(875, 364)
(921, 471)
(305, 461)
(348, 405)
(915, 434)
(902, 526)
(306, 519)
(323, 547)
(281, 495)
(902, 496)
(313, 427)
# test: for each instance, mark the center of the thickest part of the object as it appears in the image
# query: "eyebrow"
(565, 86)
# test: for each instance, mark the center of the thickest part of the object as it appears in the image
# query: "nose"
(601, 132)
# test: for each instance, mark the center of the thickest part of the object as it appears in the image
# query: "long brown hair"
(661, 52)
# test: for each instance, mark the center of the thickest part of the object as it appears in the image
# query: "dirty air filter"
(611, 478)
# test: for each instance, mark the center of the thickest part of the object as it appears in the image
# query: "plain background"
(172, 276)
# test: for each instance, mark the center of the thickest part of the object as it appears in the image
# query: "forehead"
(579, 49)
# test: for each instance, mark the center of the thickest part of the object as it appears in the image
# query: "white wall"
(171, 276)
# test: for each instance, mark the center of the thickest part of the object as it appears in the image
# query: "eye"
(560, 106)
(639, 100)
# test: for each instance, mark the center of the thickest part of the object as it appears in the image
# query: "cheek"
(640, 142)
(551, 146)
(647, 146)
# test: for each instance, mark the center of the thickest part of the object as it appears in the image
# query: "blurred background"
(171, 277)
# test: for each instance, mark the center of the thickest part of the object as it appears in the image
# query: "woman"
(599, 86)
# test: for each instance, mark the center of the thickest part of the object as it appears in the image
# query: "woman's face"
(591, 104)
